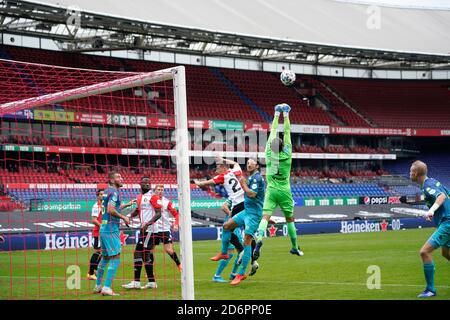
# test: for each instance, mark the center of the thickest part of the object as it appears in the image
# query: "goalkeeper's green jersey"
(278, 169)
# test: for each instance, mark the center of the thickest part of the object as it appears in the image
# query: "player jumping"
(249, 218)
(110, 234)
(227, 207)
(437, 197)
(279, 160)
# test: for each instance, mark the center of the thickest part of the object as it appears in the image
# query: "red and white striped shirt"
(96, 213)
(164, 223)
(231, 184)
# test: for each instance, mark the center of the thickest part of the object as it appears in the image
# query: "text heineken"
(366, 226)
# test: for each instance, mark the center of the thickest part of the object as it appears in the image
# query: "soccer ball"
(287, 77)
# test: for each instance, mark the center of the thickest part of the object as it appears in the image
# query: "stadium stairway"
(338, 106)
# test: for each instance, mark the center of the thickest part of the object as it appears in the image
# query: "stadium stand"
(331, 190)
(388, 103)
(88, 194)
(227, 89)
(343, 112)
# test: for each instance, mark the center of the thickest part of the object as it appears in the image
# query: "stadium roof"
(296, 30)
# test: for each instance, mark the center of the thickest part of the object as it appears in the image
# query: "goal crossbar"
(90, 90)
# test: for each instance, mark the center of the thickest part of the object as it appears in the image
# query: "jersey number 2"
(235, 186)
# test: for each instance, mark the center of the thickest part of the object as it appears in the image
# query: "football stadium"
(226, 150)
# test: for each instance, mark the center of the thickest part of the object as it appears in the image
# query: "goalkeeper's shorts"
(441, 237)
(279, 197)
(110, 242)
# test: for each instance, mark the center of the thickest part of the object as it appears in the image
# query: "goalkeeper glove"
(278, 109)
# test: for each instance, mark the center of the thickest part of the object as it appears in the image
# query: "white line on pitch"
(338, 283)
(270, 281)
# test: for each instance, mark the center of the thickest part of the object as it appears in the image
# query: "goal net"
(63, 131)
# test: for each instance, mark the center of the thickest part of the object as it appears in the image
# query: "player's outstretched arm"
(202, 184)
(235, 165)
(129, 204)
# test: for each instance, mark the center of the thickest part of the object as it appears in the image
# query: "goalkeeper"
(278, 170)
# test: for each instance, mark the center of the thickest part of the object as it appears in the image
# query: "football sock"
(226, 236)
(223, 264)
(253, 248)
(93, 264)
(137, 268)
(245, 259)
(112, 270)
(175, 258)
(101, 270)
(149, 268)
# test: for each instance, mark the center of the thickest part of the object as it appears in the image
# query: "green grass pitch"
(334, 267)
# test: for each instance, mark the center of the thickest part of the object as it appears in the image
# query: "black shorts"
(149, 240)
(97, 244)
(237, 208)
